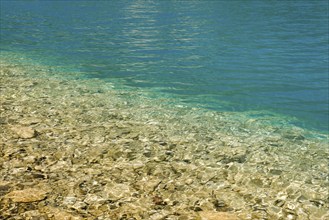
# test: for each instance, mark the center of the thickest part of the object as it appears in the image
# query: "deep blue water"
(224, 55)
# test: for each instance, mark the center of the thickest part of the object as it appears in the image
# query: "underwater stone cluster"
(78, 149)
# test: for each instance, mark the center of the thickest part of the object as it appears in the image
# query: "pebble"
(70, 200)
(24, 132)
(210, 215)
(27, 195)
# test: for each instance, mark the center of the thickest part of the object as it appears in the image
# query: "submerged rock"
(24, 132)
(27, 195)
(57, 213)
(210, 215)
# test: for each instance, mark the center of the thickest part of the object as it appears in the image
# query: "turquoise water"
(232, 56)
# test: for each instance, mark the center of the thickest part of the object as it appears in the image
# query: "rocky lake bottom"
(77, 149)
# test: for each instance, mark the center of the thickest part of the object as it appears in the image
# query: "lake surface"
(265, 57)
(164, 109)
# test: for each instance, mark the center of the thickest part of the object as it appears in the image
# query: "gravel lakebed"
(78, 149)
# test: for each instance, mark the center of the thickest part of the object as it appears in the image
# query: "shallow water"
(228, 56)
(164, 110)
(116, 153)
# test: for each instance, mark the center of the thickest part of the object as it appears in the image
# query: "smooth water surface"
(269, 56)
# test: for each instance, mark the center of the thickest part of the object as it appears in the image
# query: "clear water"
(240, 56)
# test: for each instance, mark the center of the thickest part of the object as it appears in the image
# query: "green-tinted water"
(224, 55)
